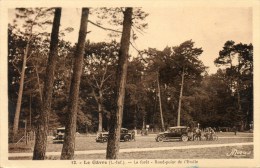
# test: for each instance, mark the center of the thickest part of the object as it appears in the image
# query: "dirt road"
(137, 149)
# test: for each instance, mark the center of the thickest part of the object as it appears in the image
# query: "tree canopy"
(97, 84)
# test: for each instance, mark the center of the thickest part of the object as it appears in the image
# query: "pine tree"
(42, 129)
(116, 115)
(32, 18)
(70, 127)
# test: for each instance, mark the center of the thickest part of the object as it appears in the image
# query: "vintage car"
(125, 136)
(59, 136)
(174, 133)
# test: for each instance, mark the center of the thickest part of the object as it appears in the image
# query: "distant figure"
(197, 134)
(144, 132)
(235, 130)
(133, 135)
(190, 134)
(135, 131)
(211, 131)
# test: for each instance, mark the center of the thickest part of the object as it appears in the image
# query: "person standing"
(235, 130)
(133, 135)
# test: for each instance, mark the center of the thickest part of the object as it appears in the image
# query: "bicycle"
(214, 137)
(197, 137)
(211, 137)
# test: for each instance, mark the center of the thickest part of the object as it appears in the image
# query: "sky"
(209, 27)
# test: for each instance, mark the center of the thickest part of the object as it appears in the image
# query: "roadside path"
(137, 149)
(231, 137)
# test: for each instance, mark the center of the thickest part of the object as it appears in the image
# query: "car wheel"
(184, 138)
(159, 139)
(126, 138)
(104, 140)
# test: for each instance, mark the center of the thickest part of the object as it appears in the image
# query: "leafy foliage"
(221, 99)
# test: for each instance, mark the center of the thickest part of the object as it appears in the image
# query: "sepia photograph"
(129, 84)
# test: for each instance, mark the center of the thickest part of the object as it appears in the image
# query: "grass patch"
(84, 143)
(20, 148)
(88, 143)
(203, 153)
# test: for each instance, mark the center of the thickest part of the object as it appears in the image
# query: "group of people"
(209, 132)
(196, 133)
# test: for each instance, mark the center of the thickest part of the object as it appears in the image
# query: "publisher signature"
(236, 152)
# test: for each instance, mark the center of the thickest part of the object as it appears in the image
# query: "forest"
(53, 82)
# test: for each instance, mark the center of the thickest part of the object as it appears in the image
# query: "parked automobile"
(59, 136)
(125, 136)
(174, 133)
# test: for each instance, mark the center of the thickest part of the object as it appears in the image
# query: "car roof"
(178, 127)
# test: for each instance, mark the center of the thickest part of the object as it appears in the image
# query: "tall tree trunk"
(180, 99)
(100, 110)
(116, 115)
(39, 83)
(135, 116)
(20, 93)
(70, 127)
(100, 116)
(143, 121)
(160, 101)
(240, 112)
(30, 111)
(42, 128)
(99, 100)
(154, 110)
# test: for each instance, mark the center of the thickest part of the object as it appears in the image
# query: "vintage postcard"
(129, 83)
